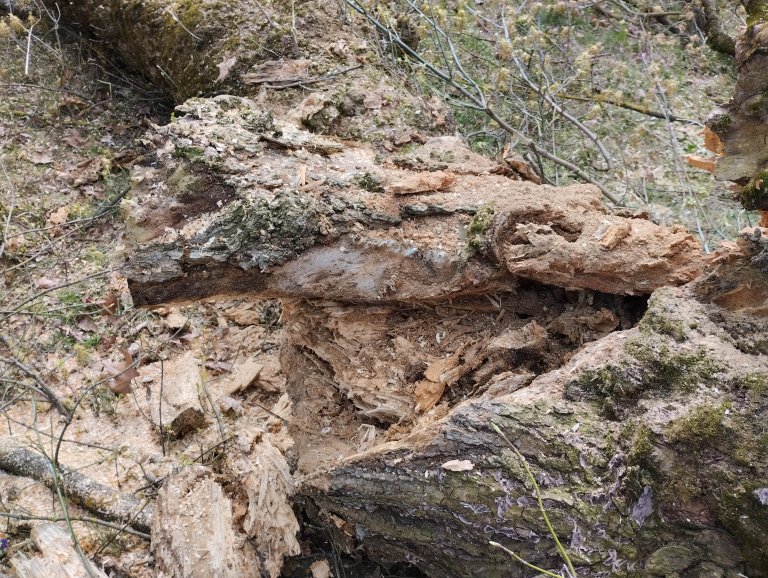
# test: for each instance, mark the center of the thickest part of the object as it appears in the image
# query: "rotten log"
(105, 502)
(257, 205)
(646, 444)
(488, 286)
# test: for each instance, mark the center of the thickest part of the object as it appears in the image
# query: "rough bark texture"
(741, 126)
(105, 502)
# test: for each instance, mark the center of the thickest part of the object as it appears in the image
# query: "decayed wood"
(58, 557)
(237, 201)
(177, 409)
(192, 532)
(103, 501)
(263, 493)
(612, 437)
(198, 531)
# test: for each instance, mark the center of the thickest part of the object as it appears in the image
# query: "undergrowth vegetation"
(614, 93)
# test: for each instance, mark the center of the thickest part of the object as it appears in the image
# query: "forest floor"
(68, 122)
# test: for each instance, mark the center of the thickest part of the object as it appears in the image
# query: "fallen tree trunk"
(647, 446)
(379, 376)
(256, 205)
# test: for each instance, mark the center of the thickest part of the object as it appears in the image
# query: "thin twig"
(45, 88)
(537, 491)
(87, 520)
(629, 106)
(62, 286)
(524, 562)
(300, 82)
(42, 387)
(473, 94)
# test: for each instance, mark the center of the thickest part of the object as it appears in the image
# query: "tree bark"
(708, 20)
(741, 126)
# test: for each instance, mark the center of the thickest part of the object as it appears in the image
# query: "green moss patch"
(651, 368)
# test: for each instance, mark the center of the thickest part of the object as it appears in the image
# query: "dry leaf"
(42, 158)
(87, 324)
(109, 303)
(86, 172)
(59, 216)
(75, 139)
(121, 372)
(700, 162)
(47, 282)
(308, 107)
(712, 142)
(176, 320)
(458, 466)
(72, 101)
(225, 67)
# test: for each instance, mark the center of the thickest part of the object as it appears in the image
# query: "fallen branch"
(105, 502)
(708, 20)
(302, 82)
(86, 519)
